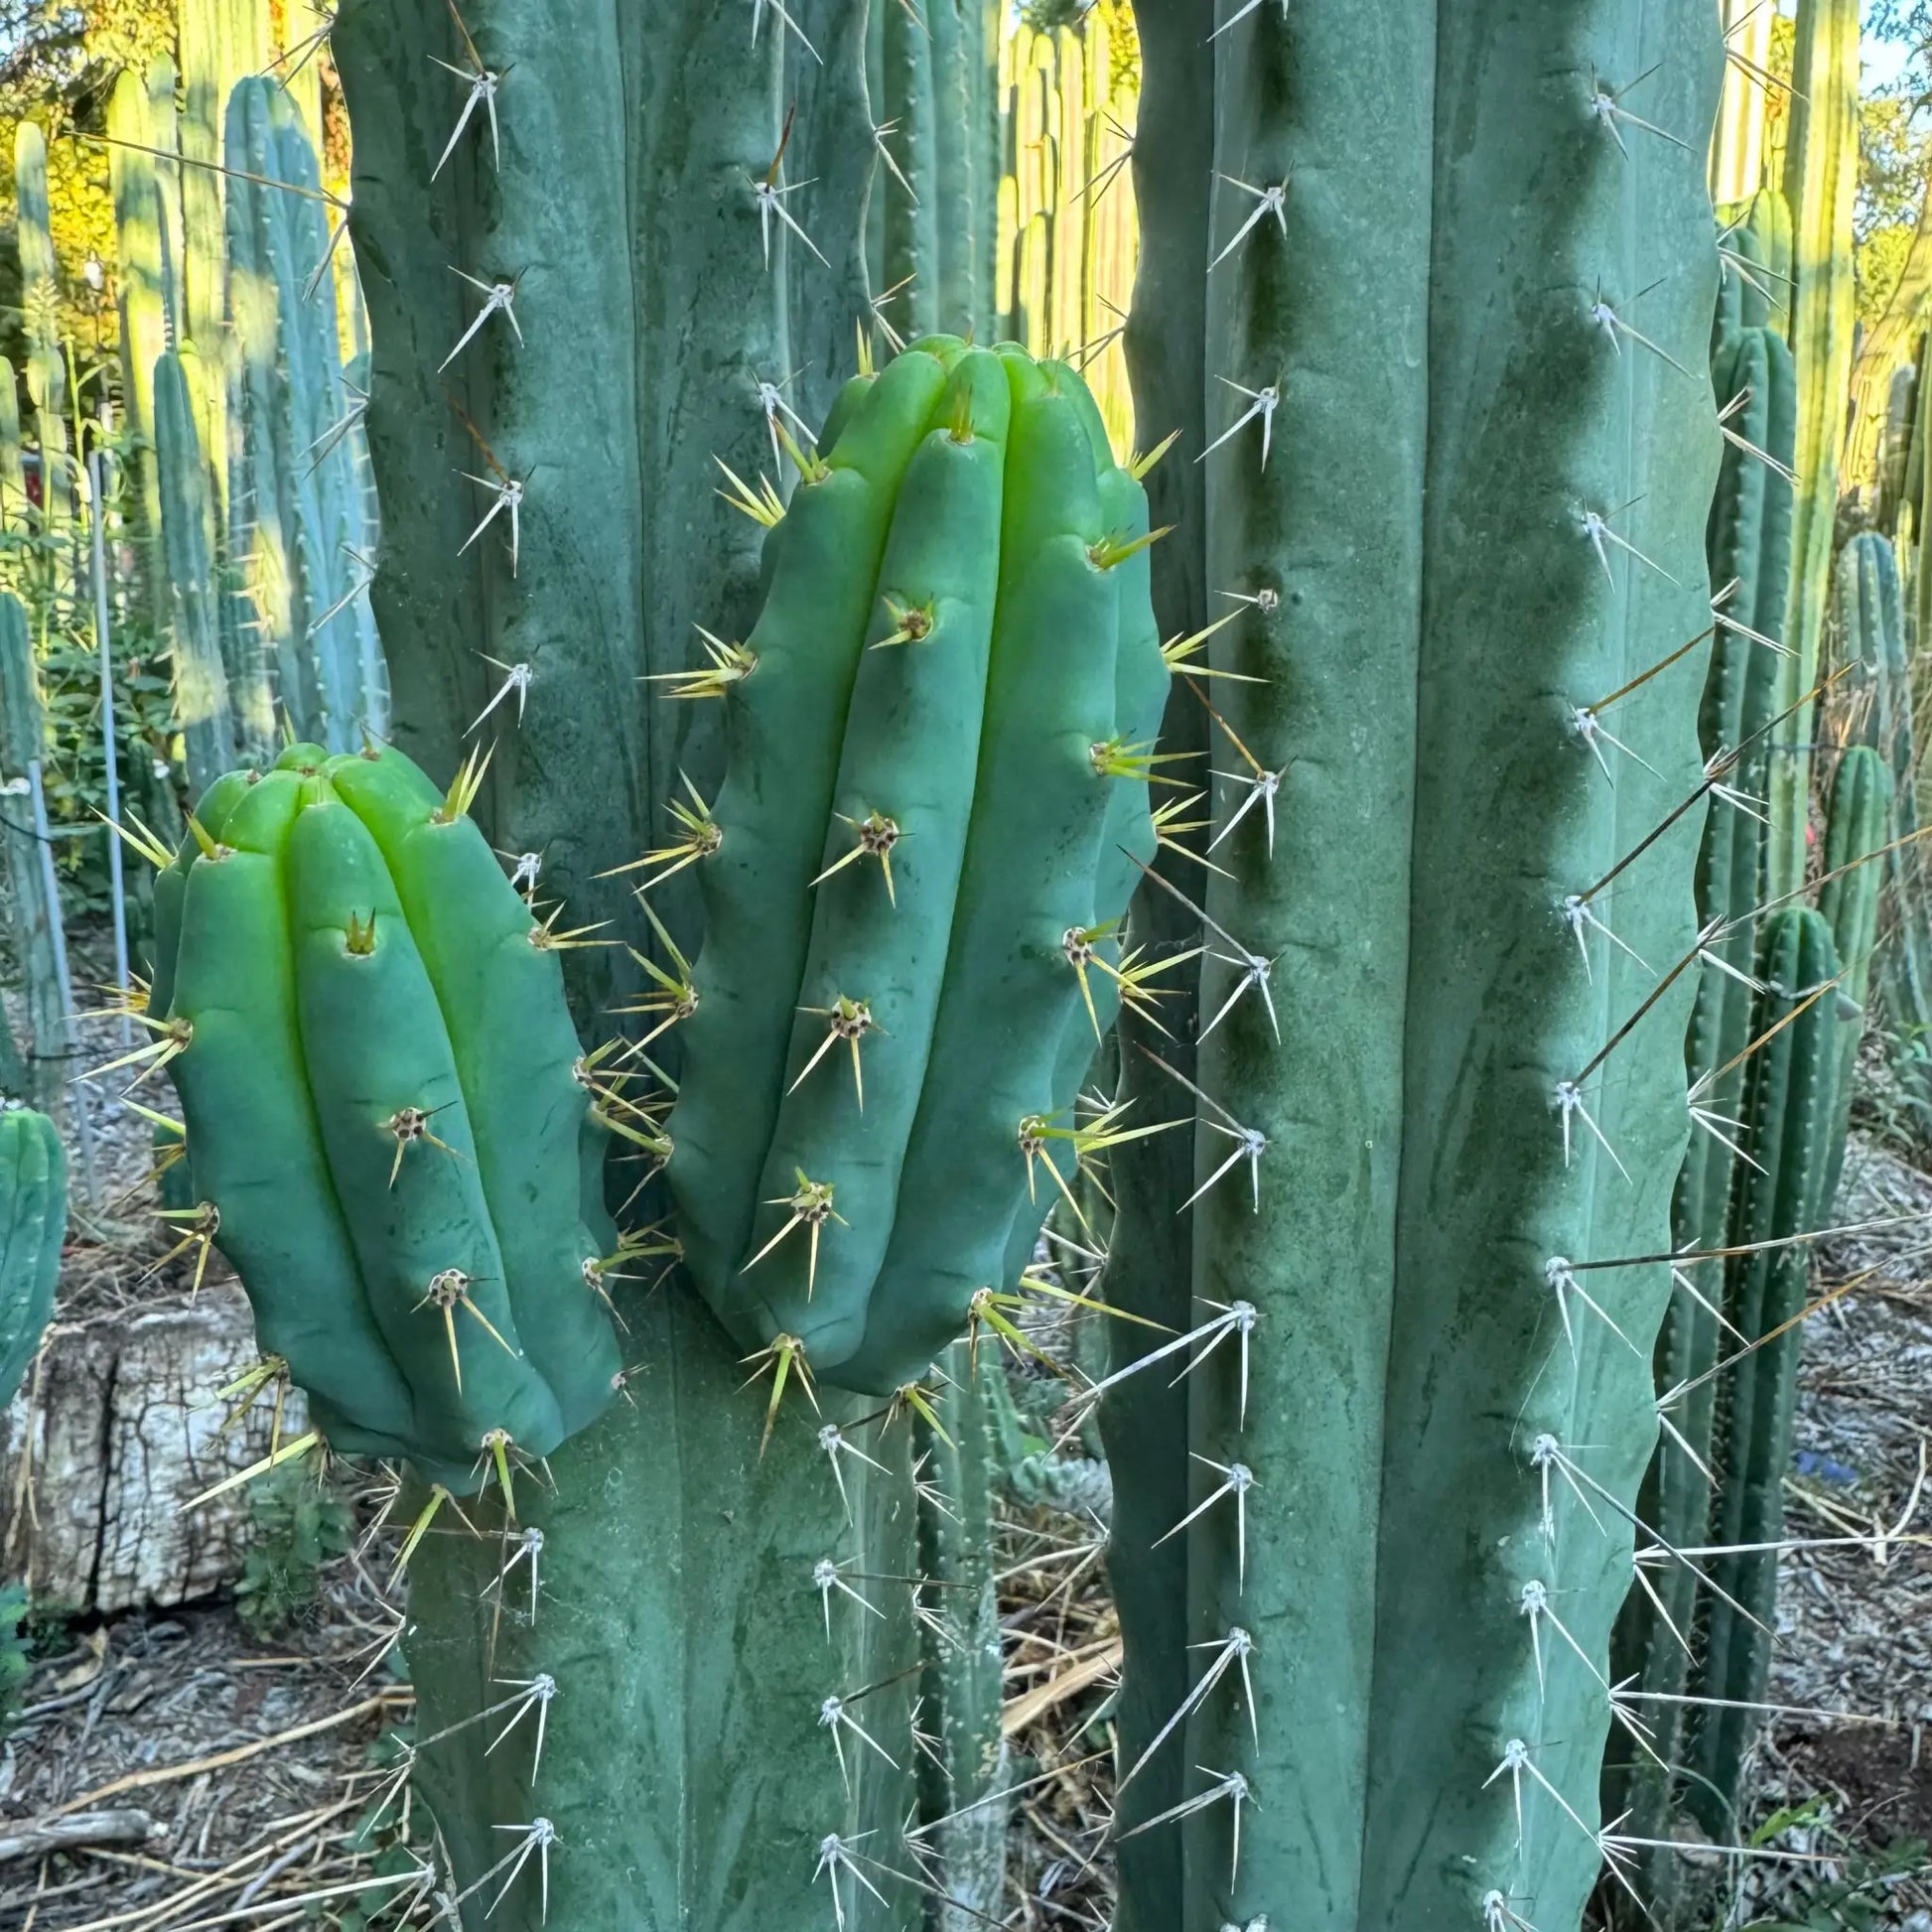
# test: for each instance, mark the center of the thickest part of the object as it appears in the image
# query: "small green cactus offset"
(915, 871)
(388, 1119)
(33, 1223)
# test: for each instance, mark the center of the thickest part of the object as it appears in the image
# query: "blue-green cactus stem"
(32, 1226)
(1150, 1253)
(1788, 1113)
(202, 701)
(23, 742)
(1858, 826)
(1399, 1013)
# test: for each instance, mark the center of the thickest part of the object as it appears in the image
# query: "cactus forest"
(965, 964)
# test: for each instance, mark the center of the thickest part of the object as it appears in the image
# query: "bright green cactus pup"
(33, 1223)
(916, 868)
(391, 1137)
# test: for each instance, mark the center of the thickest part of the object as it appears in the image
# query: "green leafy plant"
(297, 1524)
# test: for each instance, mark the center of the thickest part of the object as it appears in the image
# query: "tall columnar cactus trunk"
(1748, 544)
(910, 261)
(1871, 630)
(46, 376)
(1436, 1137)
(141, 295)
(1788, 1115)
(964, 1779)
(217, 42)
(629, 185)
(14, 507)
(204, 709)
(1147, 1274)
(1858, 826)
(299, 440)
(23, 742)
(32, 1224)
(1820, 186)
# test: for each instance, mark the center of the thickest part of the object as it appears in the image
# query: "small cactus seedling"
(32, 1224)
(388, 1135)
(915, 871)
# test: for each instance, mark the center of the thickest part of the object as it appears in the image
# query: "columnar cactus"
(23, 732)
(1439, 1103)
(1747, 548)
(697, 1597)
(32, 1224)
(298, 491)
(1858, 826)
(46, 372)
(203, 707)
(140, 294)
(1788, 1114)
(1820, 188)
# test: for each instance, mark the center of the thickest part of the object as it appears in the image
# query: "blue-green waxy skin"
(1788, 1109)
(32, 1226)
(1432, 615)
(314, 1018)
(1149, 1256)
(1747, 543)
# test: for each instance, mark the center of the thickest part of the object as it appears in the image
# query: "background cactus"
(32, 1224)
(1788, 1109)
(204, 705)
(298, 495)
(1821, 169)
(36, 914)
(1858, 827)
(1748, 544)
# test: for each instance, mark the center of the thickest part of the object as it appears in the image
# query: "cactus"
(1383, 1322)
(32, 1224)
(912, 232)
(23, 732)
(1820, 186)
(1871, 629)
(1858, 826)
(46, 376)
(390, 1139)
(202, 708)
(1747, 543)
(964, 1780)
(1788, 1112)
(298, 493)
(682, 1606)
(965, 482)
(13, 473)
(1151, 1259)
(142, 297)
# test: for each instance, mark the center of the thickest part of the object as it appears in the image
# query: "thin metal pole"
(84, 1123)
(103, 644)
